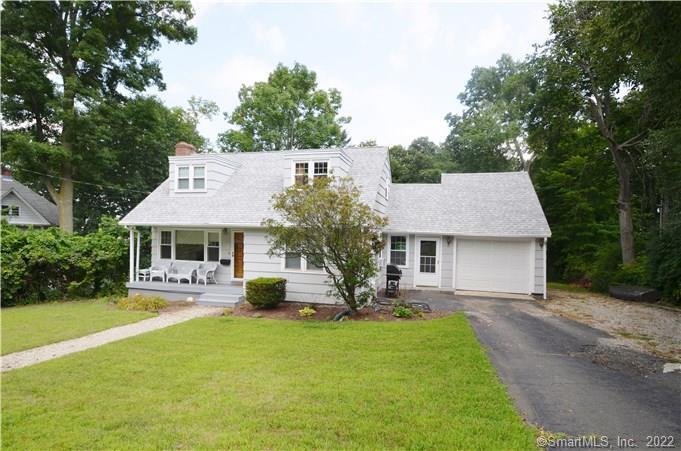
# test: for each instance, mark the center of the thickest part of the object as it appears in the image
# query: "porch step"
(220, 300)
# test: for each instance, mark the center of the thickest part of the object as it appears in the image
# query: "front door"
(427, 264)
(238, 255)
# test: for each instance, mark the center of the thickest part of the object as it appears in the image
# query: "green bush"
(665, 262)
(266, 292)
(401, 311)
(46, 264)
(141, 303)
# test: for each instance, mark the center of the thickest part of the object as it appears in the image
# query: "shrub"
(265, 292)
(46, 264)
(665, 262)
(306, 311)
(141, 303)
(401, 311)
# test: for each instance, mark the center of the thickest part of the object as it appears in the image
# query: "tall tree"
(61, 58)
(422, 162)
(288, 111)
(491, 134)
(602, 62)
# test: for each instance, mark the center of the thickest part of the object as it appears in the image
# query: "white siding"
(27, 215)
(305, 286)
(447, 261)
(539, 269)
(218, 170)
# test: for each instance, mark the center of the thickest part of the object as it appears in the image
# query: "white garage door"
(487, 265)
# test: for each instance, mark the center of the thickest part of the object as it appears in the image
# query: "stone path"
(55, 350)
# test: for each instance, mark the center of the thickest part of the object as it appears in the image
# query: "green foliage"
(307, 311)
(345, 238)
(287, 111)
(46, 264)
(665, 261)
(139, 303)
(61, 60)
(422, 162)
(266, 292)
(401, 311)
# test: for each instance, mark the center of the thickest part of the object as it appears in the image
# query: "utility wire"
(98, 185)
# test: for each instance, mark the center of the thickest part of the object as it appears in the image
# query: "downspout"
(545, 263)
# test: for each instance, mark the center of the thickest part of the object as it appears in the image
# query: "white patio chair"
(181, 271)
(206, 272)
(159, 269)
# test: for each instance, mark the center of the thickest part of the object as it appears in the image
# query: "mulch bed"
(289, 310)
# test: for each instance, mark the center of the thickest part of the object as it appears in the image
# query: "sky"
(399, 66)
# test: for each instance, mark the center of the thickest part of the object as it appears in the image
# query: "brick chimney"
(182, 149)
(6, 172)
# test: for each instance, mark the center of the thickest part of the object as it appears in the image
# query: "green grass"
(216, 383)
(36, 325)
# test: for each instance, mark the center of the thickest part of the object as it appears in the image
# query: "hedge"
(265, 292)
(41, 265)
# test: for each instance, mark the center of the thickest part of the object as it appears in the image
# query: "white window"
(306, 171)
(321, 169)
(191, 178)
(199, 179)
(293, 260)
(301, 174)
(213, 246)
(167, 244)
(398, 250)
(183, 177)
(10, 210)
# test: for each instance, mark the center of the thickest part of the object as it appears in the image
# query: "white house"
(24, 207)
(482, 232)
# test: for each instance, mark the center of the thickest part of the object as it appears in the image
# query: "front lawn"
(36, 325)
(216, 383)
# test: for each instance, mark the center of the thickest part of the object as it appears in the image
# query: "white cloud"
(271, 36)
(398, 59)
(423, 24)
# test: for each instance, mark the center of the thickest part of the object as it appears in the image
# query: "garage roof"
(494, 204)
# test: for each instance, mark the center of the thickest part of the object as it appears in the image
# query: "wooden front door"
(238, 255)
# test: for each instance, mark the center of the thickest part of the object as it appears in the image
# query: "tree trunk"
(624, 204)
(65, 204)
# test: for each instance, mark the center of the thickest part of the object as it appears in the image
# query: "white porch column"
(546, 242)
(132, 254)
(137, 264)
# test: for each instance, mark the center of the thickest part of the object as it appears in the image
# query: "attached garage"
(494, 265)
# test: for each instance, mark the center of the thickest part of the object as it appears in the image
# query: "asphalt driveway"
(568, 377)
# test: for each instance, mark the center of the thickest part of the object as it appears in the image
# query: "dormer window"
(191, 178)
(321, 169)
(301, 171)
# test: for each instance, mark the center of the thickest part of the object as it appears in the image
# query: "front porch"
(219, 294)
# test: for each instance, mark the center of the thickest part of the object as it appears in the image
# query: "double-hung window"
(10, 210)
(191, 178)
(301, 174)
(167, 244)
(321, 169)
(306, 171)
(398, 250)
(213, 246)
(293, 261)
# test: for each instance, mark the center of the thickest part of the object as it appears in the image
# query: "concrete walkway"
(56, 350)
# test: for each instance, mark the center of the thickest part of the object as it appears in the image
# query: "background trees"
(288, 111)
(60, 60)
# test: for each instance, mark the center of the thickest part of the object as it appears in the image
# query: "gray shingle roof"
(47, 209)
(245, 198)
(484, 204)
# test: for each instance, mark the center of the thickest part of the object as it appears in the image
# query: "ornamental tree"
(326, 223)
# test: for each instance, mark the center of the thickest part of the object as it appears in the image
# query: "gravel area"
(638, 326)
(55, 350)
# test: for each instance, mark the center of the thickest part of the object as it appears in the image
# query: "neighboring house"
(24, 207)
(482, 232)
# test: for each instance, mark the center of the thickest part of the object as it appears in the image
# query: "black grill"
(392, 282)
